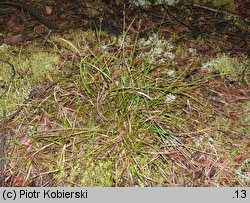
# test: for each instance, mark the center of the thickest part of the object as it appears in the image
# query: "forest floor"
(125, 95)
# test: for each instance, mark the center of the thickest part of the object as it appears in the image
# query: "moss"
(222, 124)
(246, 112)
(75, 41)
(245, 119)
(229, 3)
(92, 173)
(243, 172)
(32, 66)
(227, 67)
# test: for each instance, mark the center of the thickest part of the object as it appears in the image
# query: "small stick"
(224, 12)
(2, 157)
(32, 12)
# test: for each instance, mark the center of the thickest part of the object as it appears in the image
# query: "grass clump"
(120, 119)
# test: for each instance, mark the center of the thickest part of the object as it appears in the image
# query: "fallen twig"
(2, 161)
(224, 12)
(32, 12)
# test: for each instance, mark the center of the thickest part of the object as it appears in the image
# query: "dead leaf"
(239, 160)
(48, 10)
(19, 180)
(25, 141)
(21, 73)
(241, 3)
(16, 39)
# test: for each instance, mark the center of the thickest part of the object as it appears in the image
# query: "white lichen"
(171, 73)
(124, 40)
(159, 51)
(170, 98)
(243, 172)
(191, 50)
(104, 47)
(169, 55)
(146, 3)
(4, 47)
